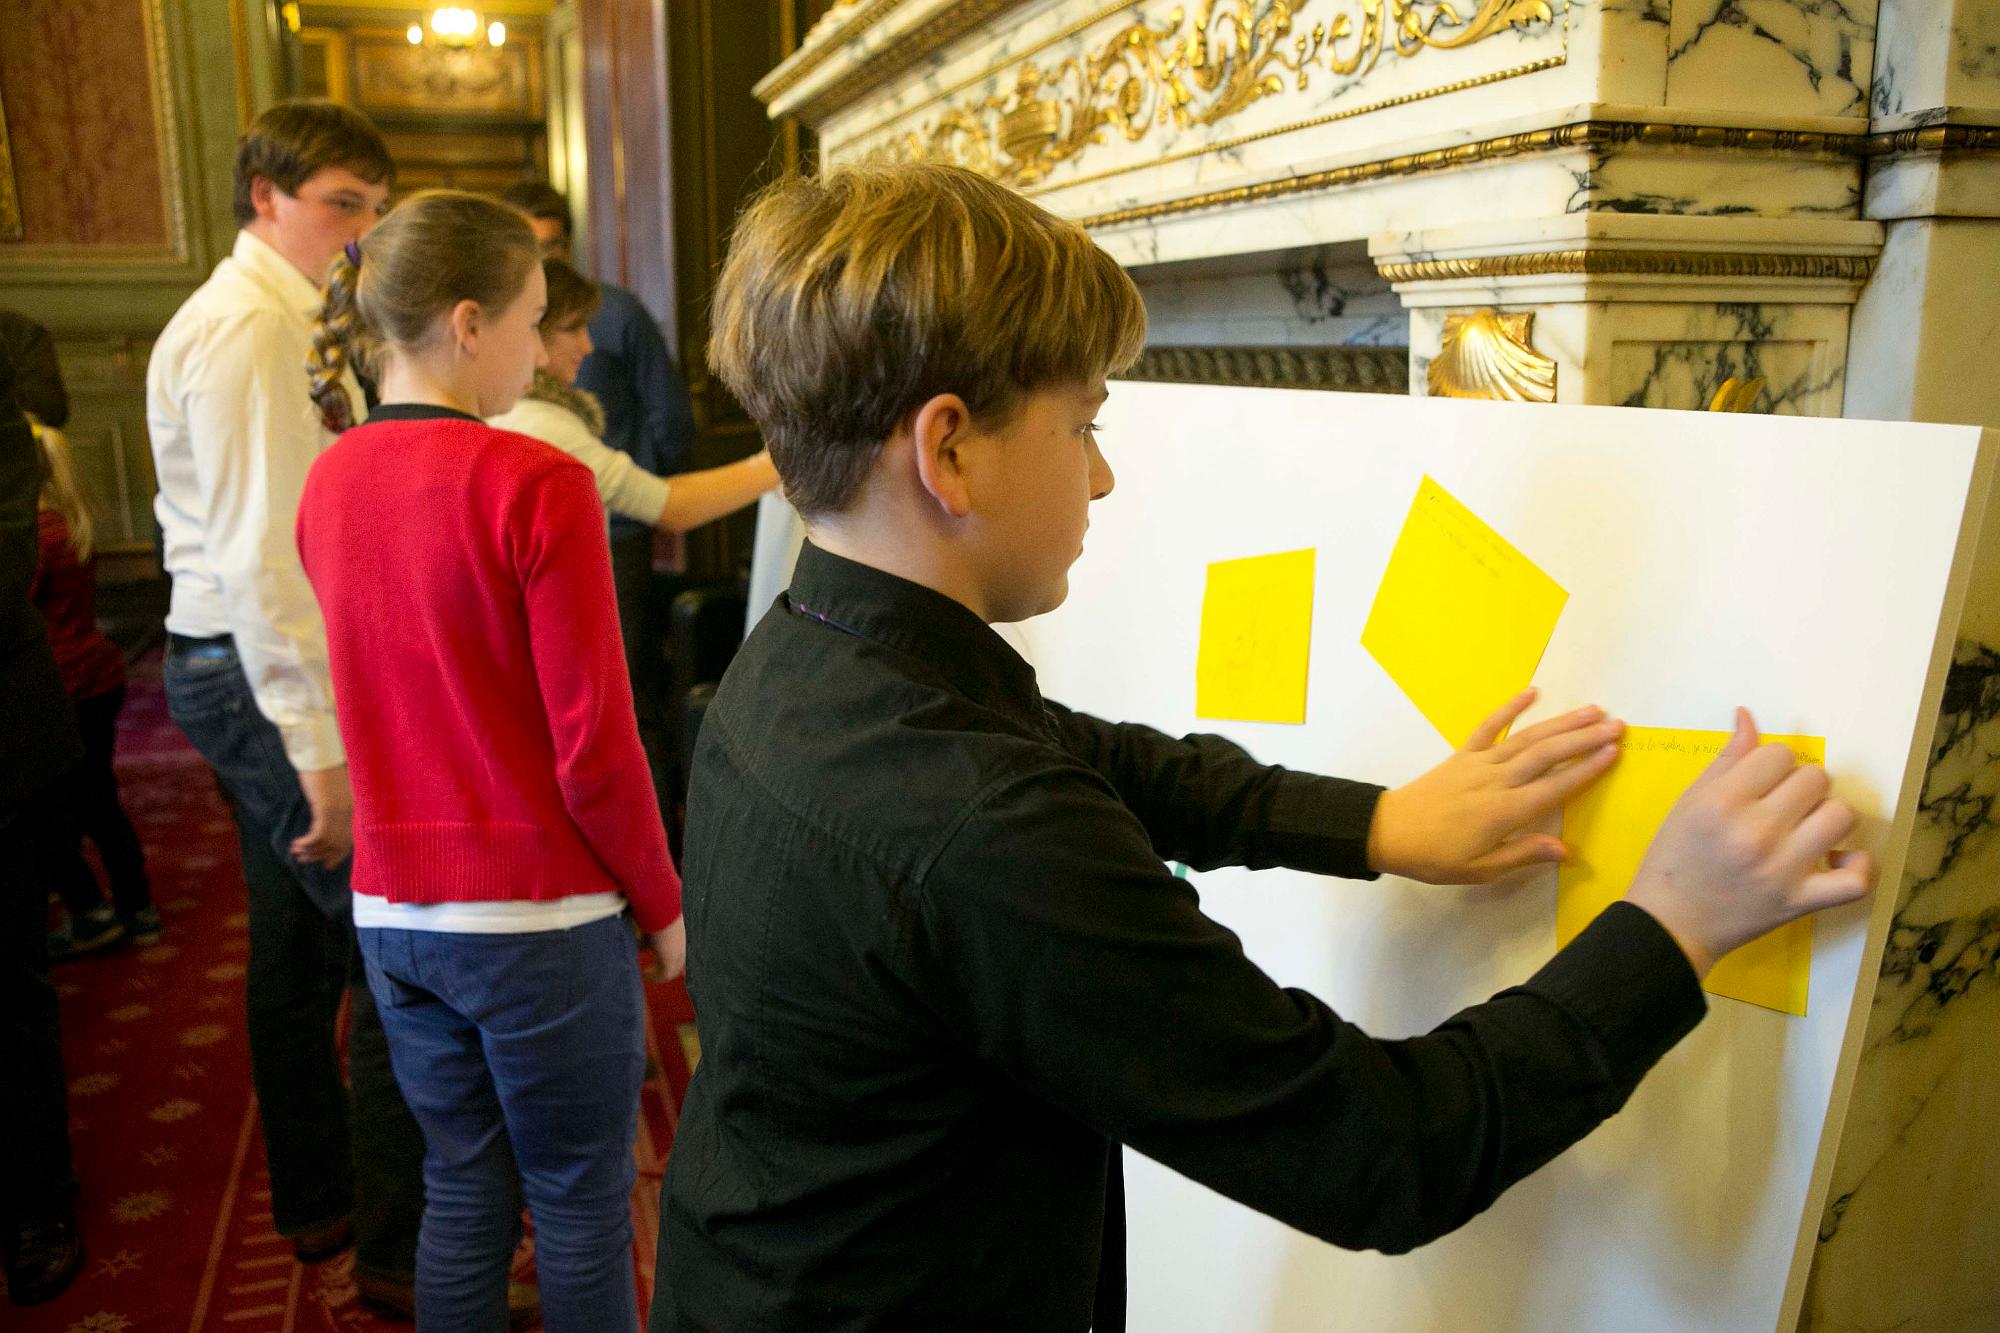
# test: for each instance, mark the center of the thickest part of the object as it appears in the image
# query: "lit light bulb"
(416, 34)
(496, 33)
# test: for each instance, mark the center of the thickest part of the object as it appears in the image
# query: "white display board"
(1812, 570)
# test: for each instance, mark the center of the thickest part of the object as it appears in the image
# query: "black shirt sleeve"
(1054, 942)
(1204, 801)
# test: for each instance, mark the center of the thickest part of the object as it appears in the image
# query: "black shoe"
(96, 929)
(322, 1243)
(142, 927)
(43, 1258)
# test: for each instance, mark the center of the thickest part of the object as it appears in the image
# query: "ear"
(939, 431)
(464, 321)
(263, 197)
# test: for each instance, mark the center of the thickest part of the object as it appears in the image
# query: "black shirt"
(941, 969)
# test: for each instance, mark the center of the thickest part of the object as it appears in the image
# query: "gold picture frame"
(10, 197)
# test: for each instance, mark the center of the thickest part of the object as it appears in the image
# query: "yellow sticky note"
(1609, 827)
(1256, 636)
(1462, 618)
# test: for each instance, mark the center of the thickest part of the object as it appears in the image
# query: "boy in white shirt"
(234, 429)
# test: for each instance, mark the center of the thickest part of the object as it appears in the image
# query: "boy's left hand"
(1473, 818)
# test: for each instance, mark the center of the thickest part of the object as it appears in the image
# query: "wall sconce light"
(454, 25)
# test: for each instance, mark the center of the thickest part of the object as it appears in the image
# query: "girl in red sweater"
(503, 815)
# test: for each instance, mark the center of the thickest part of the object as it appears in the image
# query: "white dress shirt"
(234, 430)
(626, 489)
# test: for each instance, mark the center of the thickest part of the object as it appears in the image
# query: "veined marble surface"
(1912, 1223)
(1782, 56)
(1932, 55)
(1324, 296)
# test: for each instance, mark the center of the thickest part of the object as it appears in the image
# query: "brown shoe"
(398, 1300)
(322, 1243)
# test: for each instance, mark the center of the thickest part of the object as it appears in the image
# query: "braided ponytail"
(435, 249)
(339, 339)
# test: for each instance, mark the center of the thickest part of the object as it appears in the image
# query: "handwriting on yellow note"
(1256, 638)
(1461, 618)
(1609, 827)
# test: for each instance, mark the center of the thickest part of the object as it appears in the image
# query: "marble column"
(1912, 1226)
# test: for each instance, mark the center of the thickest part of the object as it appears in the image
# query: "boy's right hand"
(330, 839)
(1745, 849)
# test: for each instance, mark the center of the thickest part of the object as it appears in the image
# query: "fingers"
(1752, 776)
(1493, 727)
(1555, 788)
(1744, 737)
(1817, 834)
(1852, 876)
(1530, 849)
(1573, 720)
(1796, 794)
(1558, 748)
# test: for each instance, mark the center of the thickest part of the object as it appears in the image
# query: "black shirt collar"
(872, 604)
(418, 412)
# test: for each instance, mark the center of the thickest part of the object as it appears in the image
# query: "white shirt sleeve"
(626, 489)
(254, 432)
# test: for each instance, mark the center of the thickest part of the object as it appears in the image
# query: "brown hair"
(435, 249)
(539, 199)
(63, 492)
(849, 300)
(292, 140)
(570, 294)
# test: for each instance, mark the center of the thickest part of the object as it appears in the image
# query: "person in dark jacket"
(38, 381)
(39, 746)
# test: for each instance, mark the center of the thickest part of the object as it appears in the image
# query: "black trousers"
(92, 800)
(37, 1180)
(331, 1152)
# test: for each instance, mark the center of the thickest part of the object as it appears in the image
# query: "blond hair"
(849, 300)
(62, 492)
(435, 249)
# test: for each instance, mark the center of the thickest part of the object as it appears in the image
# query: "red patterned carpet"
(176, 1210)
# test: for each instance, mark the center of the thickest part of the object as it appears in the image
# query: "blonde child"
(942, 971)
(503, 817)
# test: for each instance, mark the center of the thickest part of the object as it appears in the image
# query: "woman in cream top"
(558, 412)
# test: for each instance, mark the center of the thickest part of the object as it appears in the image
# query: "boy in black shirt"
(940, 969)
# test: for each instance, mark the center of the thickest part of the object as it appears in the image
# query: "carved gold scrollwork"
(1486, 354)
(1192, 70)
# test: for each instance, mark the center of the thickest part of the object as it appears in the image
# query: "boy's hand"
(671, 947)
(1473, 817)
(1747, 849)
(330, 838)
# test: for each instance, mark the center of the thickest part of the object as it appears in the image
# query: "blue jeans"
(521, 1056)
(331, 1152)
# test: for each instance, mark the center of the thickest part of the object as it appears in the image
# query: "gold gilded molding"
(1734, 395)
(1671, 263)
(1225, 145)
(1486, 354)
(10, 197)
(1346, 369)
(1578, 134)
(1193, 70)
(819, 43)
(909, 50)
(1968, 139)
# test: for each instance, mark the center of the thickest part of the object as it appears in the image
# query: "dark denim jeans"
(37, 1182)
(92, 793)
(522, 1056)
(329, 1155)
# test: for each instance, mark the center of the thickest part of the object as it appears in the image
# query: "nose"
(1101, 478)
(541, 352)
(586, 344)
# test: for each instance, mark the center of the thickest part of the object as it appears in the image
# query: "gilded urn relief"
(1193, 70)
